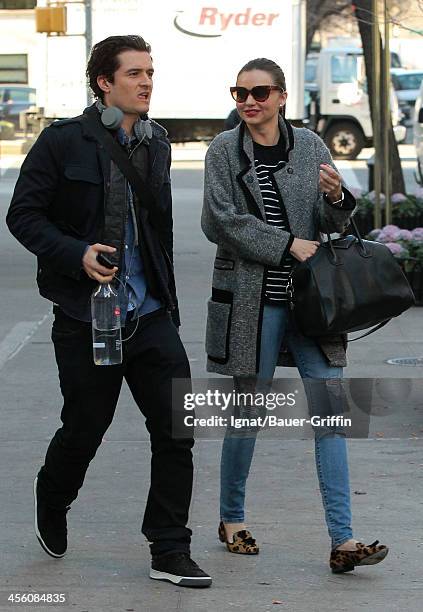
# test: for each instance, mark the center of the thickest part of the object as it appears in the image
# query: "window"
(14, 94)
(395, 60)
(407, 81)
(344, 68)
(18, 4)
(14, 69)
(310, 71)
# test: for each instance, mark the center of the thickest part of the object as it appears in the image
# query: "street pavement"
(106, 567)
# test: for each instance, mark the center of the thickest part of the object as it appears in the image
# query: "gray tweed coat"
(233, 217)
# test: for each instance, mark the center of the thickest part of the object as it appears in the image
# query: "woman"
(269, 190)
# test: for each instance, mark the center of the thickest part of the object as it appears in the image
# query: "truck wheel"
(345, 140)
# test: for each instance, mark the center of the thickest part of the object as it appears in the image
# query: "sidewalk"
(196, 151)
(106, 567)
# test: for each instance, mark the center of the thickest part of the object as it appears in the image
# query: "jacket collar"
(246, 144)
(158, 130)
(247, 177)
(159, 147)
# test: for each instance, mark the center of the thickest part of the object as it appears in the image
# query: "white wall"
(410, 51)
(18, 36)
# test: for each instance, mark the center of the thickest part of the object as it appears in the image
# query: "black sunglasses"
(260, 93)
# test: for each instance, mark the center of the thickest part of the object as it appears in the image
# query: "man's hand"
(303, 249)
(330, 182)
(95, 270)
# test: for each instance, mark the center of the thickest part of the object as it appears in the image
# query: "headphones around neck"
(112, 117)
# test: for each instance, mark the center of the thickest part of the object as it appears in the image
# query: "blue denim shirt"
(131, 274)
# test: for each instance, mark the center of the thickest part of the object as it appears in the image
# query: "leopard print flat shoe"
(345, 560)
(243, 542)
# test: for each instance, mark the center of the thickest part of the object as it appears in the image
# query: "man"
(71, 204)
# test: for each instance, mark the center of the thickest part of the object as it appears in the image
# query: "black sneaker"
(179, 568)
(50, 526)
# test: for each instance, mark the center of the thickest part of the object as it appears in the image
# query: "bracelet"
(338, 201)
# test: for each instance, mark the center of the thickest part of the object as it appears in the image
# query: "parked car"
(418, 134)
(406, 84)
(13, 100)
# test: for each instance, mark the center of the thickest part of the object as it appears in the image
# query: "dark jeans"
(151, 358)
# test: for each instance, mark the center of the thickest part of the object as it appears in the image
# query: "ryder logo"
(211, 23)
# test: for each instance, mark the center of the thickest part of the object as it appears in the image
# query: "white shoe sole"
(188, 581)
(37, 531)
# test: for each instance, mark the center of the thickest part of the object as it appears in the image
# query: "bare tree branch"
(320, 11)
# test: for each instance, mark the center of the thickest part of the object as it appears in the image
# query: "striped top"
(267, 161)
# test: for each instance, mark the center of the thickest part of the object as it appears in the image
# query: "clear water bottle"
(107, 335)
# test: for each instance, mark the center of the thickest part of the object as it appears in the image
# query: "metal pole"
(387, 117)
(376, 113)
(88, 39)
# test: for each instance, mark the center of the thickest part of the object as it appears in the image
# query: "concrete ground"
(106, 567)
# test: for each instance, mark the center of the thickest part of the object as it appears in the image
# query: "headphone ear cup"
(112, 117)
(146, 129)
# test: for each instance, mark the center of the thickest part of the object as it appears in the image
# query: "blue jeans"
(330, 446)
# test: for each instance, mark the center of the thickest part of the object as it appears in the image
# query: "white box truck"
(342, 109)
(198, 47)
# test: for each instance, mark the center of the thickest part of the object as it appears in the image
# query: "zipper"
(260, 323)
(131, 204)
(171, 272)
(170, 299)
(290, 292)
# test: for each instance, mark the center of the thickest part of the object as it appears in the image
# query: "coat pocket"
(219, 315)
(82, 174)
(82, 201)
(221, 263)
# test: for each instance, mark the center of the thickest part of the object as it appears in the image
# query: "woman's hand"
(330, 182)
(303, 249)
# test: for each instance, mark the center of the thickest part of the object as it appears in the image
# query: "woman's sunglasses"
(260, 93)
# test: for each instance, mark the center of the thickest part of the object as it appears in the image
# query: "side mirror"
(420, 117)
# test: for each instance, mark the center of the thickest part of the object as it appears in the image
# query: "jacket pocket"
(219, 316)
(82, 201)
(82, 173)
(221, 263)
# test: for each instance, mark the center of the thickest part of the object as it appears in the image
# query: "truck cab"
(343, 113)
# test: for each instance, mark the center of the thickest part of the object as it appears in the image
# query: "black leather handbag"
(349, 284)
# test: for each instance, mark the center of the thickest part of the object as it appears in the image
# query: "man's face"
(132, 84)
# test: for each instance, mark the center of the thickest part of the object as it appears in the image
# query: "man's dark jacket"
(58, 208)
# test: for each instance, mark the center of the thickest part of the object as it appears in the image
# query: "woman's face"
(258, 113)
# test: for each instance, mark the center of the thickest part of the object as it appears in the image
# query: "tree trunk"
(364, 17)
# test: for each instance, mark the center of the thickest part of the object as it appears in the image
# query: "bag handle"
(357, 235)
(371, 330)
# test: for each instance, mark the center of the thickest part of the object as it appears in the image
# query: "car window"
(407, 81)
(343, 68)
(22, 95)
(310, 71)
(395, 60)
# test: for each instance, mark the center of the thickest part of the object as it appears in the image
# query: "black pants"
(151, 358)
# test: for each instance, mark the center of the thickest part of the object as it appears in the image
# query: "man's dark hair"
(104, 59)
(262, 63)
